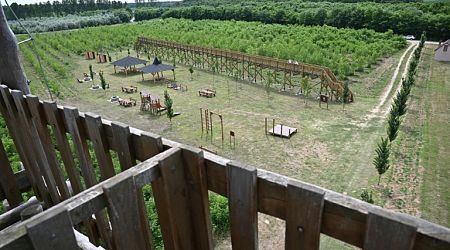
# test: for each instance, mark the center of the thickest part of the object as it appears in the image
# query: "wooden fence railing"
(180, 177)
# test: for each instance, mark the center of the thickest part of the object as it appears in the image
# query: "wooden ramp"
(283, 131)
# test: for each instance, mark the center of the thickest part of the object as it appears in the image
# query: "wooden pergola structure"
(243, 66)
(155, 68)
(128, 63)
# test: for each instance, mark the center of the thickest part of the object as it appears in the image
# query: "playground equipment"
(208, 121)
(243, 66)
(280, 130)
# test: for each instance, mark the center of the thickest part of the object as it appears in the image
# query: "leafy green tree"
(168, 102)
(381, 161)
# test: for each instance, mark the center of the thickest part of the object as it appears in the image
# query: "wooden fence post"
(243, 206)
(303, 216)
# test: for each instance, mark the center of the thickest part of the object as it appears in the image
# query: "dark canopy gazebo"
(127, 63)
(155, 68)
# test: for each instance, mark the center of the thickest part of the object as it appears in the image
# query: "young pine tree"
(102, 80)
(306, 87)
(91, 73)
(191, 70)
(168, 102)
(393, 124)
(381, 161)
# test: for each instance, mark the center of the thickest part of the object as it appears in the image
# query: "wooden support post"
(8, 182)
(201, 118)
(265, 123)
(273, 125)
(221, 125)
(243, 206)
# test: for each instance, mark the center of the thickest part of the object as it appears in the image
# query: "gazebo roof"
(128, 61)
(156, 67)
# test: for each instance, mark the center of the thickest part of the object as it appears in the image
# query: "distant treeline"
(402, 18)
(60, 8)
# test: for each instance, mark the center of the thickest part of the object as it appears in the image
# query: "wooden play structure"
(151, 103)
(243, 66)
(89, 55)
(181, 178)
(208, 121)
(280, 129)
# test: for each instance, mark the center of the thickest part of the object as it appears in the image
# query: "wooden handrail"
(180, 177)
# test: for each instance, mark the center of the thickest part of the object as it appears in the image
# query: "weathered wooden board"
(123, 208)
(303, 216)
(388, 231)
(243, 206)
(53, 232)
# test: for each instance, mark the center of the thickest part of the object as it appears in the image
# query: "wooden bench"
(127, 102)
(207, 93)
(129, 89)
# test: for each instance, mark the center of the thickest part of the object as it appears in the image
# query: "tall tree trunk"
(11, 71)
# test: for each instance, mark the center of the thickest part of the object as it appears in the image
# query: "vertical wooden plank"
(173, 210)
(53, 232)
(386, 230)
(79, 140)
(39, 121)
(242, 203)
(36, 145)
(8, 182)
(304, 206)
(195, 179)
(55, 119)
(150, 145)
(123, 208)
(122, 139)
(98, 137)
(18, 133)
(72, 119)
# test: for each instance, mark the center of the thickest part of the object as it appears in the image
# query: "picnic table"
(207, 93)
(129, 89)
(129, 102)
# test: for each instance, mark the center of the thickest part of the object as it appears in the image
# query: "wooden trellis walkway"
(244, 66)
(180, 177)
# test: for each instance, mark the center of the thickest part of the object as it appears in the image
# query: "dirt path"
(387, 91)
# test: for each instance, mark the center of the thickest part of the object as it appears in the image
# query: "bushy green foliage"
(402, 18)
(393, 124)
(219, 213)
(381, 161)
(367, 196)
(168, 102)
(45, 24)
